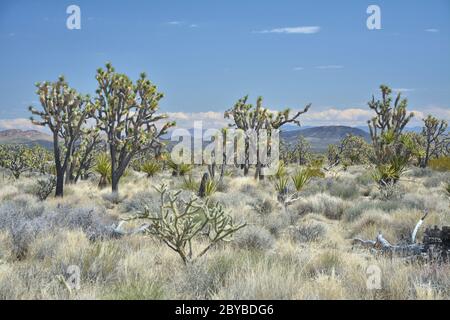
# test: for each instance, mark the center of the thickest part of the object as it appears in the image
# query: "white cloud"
(174, 23)
(209, 119)
(326, 67)
(298, 68)
(433, 30)
(193, 25)
(402, 90)
(293, 30)
(338, 116)
(19, 123)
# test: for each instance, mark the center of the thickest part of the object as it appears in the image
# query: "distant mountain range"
(27, 137)
(319, 137)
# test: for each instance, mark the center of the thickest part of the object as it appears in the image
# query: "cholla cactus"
(255, 118)
(179, 223)
(126, 112)
(64, 112)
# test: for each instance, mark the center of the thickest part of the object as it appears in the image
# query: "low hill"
(321, 137)
(27, 137)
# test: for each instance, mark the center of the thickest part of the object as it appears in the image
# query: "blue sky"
(204, 55)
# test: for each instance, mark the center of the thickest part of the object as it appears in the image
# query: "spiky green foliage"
(103, 168)
(190, 184)
(281, 185)
(179, 169)
(301, 178)
(16, 158)
(393, 149)
(179, 223)
(210, 187)
(150, 167)
(64, 111)
(281, 171)
(127, 113)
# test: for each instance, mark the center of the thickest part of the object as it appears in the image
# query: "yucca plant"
(150, 168)
(190, 184)
(103, 168)
(281, 185)
(210, 187)
(301, 178)
(281, 170)
(179, 169)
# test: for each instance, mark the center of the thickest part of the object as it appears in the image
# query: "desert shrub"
(138, 202)
(254, 238)
(275, 224)
(308, 232)
(25, 218)
(150, 168)
(113, 197)
(326, 262)
(419, 172)
(357, 209)
(345, 189)
(264, 207)
(92, 220)
(436, 180)
(331, 207)
(440, 164)
(389, 191)
(204, 278)
(364, 179)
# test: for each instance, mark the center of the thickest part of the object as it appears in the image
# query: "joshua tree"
(434, 131)
(249, 118)
(302, 151)
(352, 150)
(392, 148)
(64, 112)
(126, 112)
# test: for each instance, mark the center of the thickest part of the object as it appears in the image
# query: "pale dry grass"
(302, 253)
